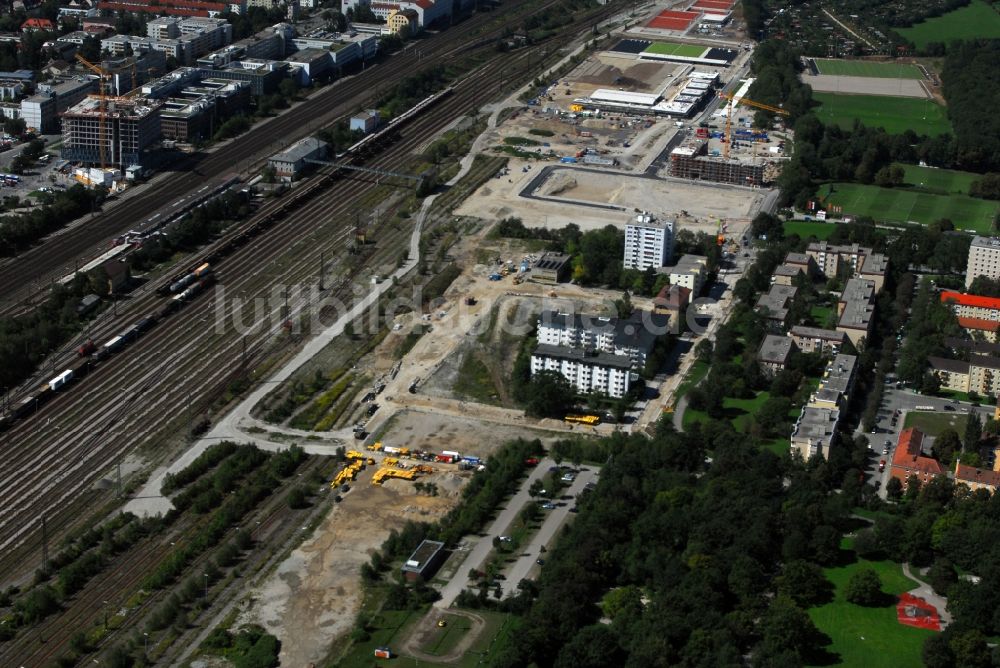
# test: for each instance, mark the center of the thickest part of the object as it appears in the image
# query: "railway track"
(57, 464)
(126, 403)
(23, 278)
(106, 594)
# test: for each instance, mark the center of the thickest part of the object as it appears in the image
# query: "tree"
(773, 414)
(971, 650)
(936, 653)
(889, 176)
(945, 446)
(864, 588)
(804, 583)
(624, 305)
(973, 432)
(894, 489)
(942, 575)
(703, 350)
(548, 394)
(620, 599)
(592, 647)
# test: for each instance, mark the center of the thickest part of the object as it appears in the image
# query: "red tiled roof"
(978, 323)
(909, 456)
(43, 24)
(971, 474)
(969, 300)
(423, 4)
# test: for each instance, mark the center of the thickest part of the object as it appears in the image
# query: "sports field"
(895, 114)
(863, 68)
(977, 19)
(939, 181)
(903, 205)
(671, 49)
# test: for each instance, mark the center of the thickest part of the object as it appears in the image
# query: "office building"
(127, 131)
(41, 111)
(649, 242)
(428, 12)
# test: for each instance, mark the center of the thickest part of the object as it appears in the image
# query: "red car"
(881, 466)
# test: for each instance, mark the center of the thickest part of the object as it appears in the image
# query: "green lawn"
(863, 68)
(697, 371)
(390, 629)
(820, 315)
(904, 205)
(940, 181)
(737, 411)
(895, 114)
(672, 49)
(808, 228)
(978, 19)
(870, 637)
(933, 423)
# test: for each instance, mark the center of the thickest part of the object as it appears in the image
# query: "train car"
(86, 349)
(6, 421)
(145, 324)
(168, 308)
(62, 380)
(112, 346)
(80, 368)
(178, 286)
(202, 270)
(130, 334)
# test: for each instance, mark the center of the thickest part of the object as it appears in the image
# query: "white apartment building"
(984, 259)
(631, 338)
(689, 272)
(587, 371)
(649, 242)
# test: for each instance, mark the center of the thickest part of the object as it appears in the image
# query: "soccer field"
(978, 19)
(895, 114)
(939, 181)
(671, 49)
(903, 205)
(862, 68)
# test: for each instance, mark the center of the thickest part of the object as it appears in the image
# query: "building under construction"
(692, 161)
(118, 139)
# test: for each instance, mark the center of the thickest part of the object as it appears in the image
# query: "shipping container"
(60, 381)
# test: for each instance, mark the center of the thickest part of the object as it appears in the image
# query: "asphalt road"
(526, 565)
(476, 557)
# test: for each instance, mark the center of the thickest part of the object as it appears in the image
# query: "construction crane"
(727, 138)
(102, 103)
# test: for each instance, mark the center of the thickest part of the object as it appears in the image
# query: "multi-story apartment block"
(632, 338)
(586, 370)
(649, 242)
(984, 259)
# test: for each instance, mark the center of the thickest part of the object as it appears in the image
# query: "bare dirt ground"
(607, 69)
(829, 83)
(704, 204)
(314, 595)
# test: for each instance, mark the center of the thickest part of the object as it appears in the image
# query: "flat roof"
(582, 356)
(552, 261)
(775, 349)
(423, 554)
(299, 150)
(816, 425)
(817, 333)
(608, 95)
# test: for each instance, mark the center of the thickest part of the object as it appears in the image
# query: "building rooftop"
(839, 373)
(817, 333)
(645, 219)
(986, 242)
(586, 356)
(858, 289)
(424, 553)
(775, 349)
(874, 264)
(552, 261)
(978, 476)
(909, 454)
(776, 300)
(790, 270)
(981, 347)
(981, 324)
(686, 264)
(948, 365)
(18, 75)
(672, 297)
(796, 258)
(816, 426)
(138, 108)
(301, 149)
(950, 296)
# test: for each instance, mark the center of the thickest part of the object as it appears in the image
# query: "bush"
(864, 588)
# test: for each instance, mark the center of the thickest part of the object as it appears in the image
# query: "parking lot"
(906, 401)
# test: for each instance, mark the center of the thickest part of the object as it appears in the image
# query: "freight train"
(89, 354)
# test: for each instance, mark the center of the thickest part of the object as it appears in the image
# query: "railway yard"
(78, 450)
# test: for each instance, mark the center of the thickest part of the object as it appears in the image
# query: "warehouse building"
(129, 129)
(294, 160)
(649, 242)
(550, 268)
(424, 562)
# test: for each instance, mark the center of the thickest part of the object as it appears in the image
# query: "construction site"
(112, 132)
